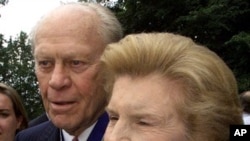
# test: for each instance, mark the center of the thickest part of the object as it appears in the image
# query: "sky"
(21, 15)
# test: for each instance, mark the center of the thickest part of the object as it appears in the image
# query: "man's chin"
(61, 121)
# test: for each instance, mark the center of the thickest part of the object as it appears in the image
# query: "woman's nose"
(120, 132)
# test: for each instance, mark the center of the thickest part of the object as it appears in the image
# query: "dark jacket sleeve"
(43, 132)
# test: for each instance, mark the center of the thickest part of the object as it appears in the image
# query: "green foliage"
(237, 51)
(147, 16)
(82, 0)
(4, 2)
(89, 1)
(221, 25)
(17, 70)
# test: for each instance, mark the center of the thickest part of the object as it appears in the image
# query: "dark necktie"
(75, 139)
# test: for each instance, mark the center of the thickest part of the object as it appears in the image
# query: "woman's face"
(143, 109)
(8, 121)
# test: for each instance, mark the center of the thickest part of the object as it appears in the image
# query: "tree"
(237, 51)
(17, 70)
(221, 25)
(4, 2)
(98, 1)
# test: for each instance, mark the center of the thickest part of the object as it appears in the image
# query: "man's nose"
(60, 77)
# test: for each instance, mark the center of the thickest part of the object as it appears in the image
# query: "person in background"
(165, 87)
(245, 101)
(13, 117)
(67, 45)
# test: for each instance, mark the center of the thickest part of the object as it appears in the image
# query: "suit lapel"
(52, 133)
(99, 129)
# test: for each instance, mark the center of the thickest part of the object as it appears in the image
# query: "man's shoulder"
(40, 119)
(41, 132)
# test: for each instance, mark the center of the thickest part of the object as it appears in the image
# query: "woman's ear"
(19, 122)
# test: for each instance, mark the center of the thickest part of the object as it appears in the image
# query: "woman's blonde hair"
(210, 100)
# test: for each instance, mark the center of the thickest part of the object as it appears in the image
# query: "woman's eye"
(146, 122)
(4, 115)
(143, 123)
(113, 118)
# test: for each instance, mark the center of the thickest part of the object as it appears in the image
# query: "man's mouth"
(62, 106)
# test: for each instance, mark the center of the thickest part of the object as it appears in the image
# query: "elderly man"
(67, 45)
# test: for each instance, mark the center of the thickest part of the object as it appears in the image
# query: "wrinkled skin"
(142, 109)
(66, 57)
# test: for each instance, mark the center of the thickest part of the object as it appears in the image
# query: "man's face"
(66, 57)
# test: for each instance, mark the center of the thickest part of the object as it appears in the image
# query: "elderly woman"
(13, 116)
(164, 87)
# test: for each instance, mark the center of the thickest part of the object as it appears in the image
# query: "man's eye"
(79, 66)
(76, 63)
(44, 64)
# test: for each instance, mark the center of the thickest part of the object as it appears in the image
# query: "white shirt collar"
(82, 137)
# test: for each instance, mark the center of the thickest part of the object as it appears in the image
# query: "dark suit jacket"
(48, 132)
(45, 131)
(42, 118)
